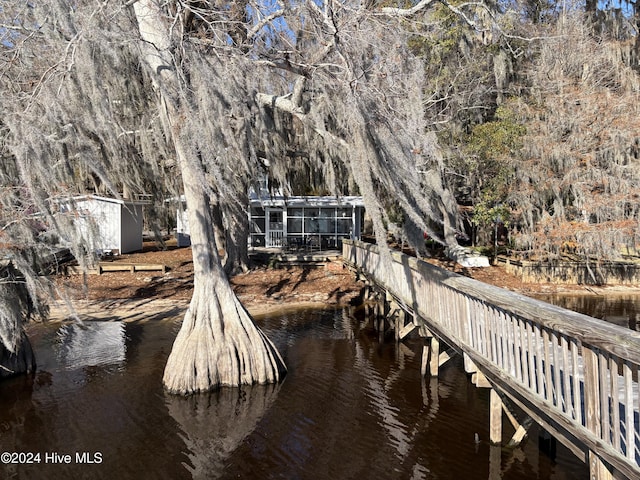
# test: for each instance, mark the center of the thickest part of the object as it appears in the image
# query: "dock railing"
(574, 374)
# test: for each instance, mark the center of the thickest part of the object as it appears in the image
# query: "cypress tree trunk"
(218, 343)
(16, 354)
(18, 361)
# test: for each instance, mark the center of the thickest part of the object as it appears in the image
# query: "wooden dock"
(574, 375)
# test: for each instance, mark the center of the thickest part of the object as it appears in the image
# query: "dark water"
(349, 408)
(619, 309)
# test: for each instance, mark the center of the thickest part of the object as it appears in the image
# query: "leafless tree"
(578, 172)
(139, 94)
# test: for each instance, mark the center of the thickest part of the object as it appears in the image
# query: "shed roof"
(98, 198)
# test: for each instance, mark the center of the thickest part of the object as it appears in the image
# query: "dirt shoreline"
(146, 310)
(262, 290)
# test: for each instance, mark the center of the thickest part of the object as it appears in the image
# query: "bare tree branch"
(407, 12)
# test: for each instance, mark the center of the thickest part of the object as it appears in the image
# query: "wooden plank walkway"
(574, 375)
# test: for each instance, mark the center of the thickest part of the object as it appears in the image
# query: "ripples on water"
(90, 344)
(349, 408)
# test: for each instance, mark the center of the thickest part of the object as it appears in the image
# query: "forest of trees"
(449, 116)
(540, 129)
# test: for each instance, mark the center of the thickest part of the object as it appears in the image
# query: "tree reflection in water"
(215, 424)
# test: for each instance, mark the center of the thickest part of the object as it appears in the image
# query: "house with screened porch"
(304, 222)
(295, 223)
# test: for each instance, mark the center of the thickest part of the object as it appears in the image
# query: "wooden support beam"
(477, 377)
(598, 470)
(425, 359)
(366, 291)
(445, 357)
(435, 354)
(398, 321)
(479, 380)
(520, 434)
(521, 428)
(512, 419)
(469, 366)
(431, 355)
(406, 330)
(387, 303)
(423, 331)
(495, 418)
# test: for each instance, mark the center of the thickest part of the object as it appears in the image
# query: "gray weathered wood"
(435, 354)
(495, 429)
(575, 375)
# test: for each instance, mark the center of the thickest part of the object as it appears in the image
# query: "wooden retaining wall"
(574, 375)
(581, 273)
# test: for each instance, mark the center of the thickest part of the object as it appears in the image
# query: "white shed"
(110, 225)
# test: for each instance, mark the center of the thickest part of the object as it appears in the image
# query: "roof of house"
(308, 201)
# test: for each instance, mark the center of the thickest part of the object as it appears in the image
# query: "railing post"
(593, 415)
(591, 391)
(427, 337)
